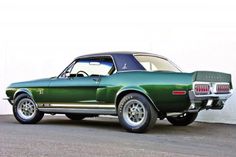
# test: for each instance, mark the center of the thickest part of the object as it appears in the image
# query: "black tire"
(75, 116)
(145, 110)
(35, 117)
(183, 120)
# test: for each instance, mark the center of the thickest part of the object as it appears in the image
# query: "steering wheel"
(82, 72)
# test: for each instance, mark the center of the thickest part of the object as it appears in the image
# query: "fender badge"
(40, 91)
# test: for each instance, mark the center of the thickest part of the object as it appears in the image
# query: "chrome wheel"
(26, 109)
(134, 113)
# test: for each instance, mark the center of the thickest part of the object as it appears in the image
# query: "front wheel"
(183, 120)
(136, 113)
(25, 110)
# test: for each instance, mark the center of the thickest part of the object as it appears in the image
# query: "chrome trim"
(9, 100)
(24, 90)
(220, 96)
(73, 62)
(214, 86)
(192, 108)
(26, 109)
(67, 67)
(81, 111)
(123, 71)
(82, 106)
(159, 56)
(210, 98)
(88, 56)
(149, 54)
(213, 91)
(204, 83)
(134, 113)
(173, 114)
(209, 103)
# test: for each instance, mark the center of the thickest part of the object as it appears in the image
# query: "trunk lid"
(211, 76)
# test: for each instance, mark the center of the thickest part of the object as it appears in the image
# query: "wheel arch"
(127, 90)
(22, 91)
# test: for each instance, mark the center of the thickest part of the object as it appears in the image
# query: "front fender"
(22, 90)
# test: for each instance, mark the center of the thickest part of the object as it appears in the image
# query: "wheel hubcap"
(134, 112)
(26, 108)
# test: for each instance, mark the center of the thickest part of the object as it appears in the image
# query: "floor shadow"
(161, 127)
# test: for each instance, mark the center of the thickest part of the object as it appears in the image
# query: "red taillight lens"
(202, 89)
(222, 88)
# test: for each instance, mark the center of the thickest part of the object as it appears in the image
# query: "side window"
(92, 67)
(153, 63)
(149, 66)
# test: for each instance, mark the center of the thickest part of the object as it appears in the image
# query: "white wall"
(39, 38)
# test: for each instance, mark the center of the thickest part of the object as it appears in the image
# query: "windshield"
(91, 66)
(154, 63)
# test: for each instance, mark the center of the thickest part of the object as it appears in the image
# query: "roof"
(119, 53)
(123, 60)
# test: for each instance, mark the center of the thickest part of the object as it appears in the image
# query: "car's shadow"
(97, 123)
(112, 124)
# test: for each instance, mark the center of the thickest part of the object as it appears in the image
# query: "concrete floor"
(58, 136)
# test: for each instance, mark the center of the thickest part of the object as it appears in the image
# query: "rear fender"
(137, 89)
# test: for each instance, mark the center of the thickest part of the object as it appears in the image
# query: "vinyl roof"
(124, 60)
(120, 53)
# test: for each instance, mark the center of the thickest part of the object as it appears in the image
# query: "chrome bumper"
(210, 101)
(8, 99)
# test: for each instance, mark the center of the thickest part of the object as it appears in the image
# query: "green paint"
(156, 85)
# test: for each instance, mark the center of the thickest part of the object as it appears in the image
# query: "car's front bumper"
(210, 101)
(8, 99)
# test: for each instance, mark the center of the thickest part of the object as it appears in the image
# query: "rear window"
(153, 63)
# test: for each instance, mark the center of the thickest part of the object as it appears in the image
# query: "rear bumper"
(210, 101)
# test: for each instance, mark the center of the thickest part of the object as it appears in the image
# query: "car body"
(138, 87)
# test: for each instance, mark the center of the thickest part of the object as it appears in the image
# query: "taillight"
(222, 88)
(201, 89)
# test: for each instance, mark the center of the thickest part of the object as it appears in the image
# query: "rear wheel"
(136, 113)
(75, 116)
(25, 110)
(183, 120)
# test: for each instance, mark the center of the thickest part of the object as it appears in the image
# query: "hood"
(33, 83)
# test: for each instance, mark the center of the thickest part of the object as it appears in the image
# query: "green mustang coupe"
(138, 87)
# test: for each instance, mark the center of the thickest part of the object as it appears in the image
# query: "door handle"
(97, 80)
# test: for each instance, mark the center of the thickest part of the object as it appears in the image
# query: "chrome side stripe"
(86, 106)
(79, 110)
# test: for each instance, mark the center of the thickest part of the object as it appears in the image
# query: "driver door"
(77, 84)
